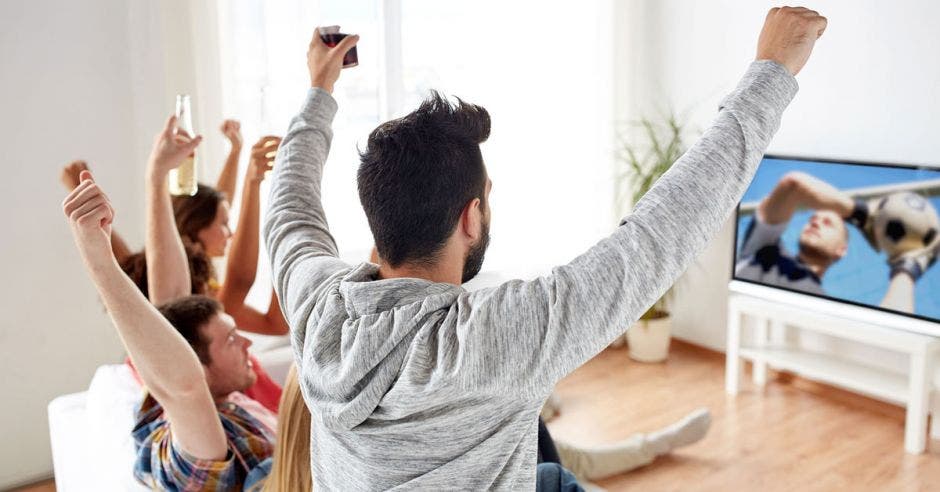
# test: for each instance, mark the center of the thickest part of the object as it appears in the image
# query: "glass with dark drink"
(331, 36)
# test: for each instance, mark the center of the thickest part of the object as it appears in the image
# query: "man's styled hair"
(188, 315)
(418, 173)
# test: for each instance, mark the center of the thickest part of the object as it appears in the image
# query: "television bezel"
(826, 160)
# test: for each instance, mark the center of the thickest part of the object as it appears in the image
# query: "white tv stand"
(773, 310)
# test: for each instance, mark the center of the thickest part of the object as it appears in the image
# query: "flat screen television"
(860, 233)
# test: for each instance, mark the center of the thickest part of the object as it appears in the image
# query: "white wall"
(79, 80)
(869, 92)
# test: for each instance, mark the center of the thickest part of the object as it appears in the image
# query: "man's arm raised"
(70, 179)
(226, 182)
(296, 233)
(528, 335)
(165, 361)
(168, 275)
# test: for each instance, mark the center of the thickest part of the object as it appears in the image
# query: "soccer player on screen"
(824, 240)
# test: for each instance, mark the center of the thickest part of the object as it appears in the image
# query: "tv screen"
(862, 233)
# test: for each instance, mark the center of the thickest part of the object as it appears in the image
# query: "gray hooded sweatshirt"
(420, 385)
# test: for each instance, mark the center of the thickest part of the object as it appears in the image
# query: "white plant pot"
(649, 339)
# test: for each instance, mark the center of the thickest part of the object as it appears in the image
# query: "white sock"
(690, 429)
(595, 462)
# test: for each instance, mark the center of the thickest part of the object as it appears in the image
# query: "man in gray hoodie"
(414, 383)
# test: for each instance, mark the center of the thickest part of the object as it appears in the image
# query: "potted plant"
(642, 157)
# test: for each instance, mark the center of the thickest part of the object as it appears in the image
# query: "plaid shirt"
(161, 465)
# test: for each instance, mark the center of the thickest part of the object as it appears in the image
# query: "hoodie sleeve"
(542, 330)
(302, 252)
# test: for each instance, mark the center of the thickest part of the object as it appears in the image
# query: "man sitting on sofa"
(190, 356)
(414, 382)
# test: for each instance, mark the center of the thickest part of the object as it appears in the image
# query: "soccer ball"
(904, 222)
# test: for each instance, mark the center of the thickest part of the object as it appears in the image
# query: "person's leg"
(547, 451)
(594, 462)
(591, 463)
(552, 477)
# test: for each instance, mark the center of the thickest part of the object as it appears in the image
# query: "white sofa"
(92, 448)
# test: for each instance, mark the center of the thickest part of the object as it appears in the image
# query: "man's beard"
(474, 261)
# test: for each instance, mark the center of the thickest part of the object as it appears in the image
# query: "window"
(542, 69)
(549, 95)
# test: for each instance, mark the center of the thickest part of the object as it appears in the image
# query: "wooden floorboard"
(792, 435)
(44, 486)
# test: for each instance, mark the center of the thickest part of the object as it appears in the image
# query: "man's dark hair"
(418, 173)
(188, 315)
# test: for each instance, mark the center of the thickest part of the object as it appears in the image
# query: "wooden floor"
(793, 435)
(46, 486)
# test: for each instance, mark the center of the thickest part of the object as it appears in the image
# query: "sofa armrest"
(277, 362)
(68, 435)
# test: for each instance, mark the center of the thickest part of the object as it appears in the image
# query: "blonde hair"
(290, 469)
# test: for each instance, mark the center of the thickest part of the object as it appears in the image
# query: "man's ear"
(471, 220)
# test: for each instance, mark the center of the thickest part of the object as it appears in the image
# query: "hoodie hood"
(361, 332)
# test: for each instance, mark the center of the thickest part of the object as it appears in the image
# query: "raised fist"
(789, 35)
(324, 63)
(232, 130)
(70, 174)
(170, 148)
(262, 156)
(90, 216)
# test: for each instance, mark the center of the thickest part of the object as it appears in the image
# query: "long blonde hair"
(290, 469)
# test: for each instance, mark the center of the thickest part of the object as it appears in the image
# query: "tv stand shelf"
(844, 373)
(772, 312)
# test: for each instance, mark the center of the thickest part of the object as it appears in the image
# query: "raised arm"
(539, 331)
(798, 190)
(168, 275)
(226, 182)
(242, 263)
(70, 179)
(296, 233)
(167, 364)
